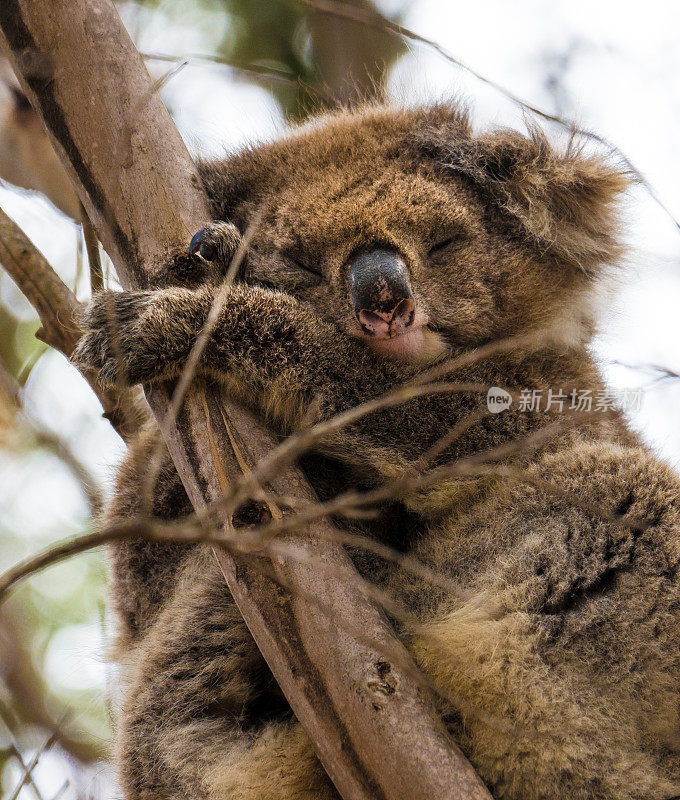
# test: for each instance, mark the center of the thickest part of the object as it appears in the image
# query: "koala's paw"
(216, 244)
(114, 343)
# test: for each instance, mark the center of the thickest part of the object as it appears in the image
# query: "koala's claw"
(92, 354)
(112, 327)
(216, 243)
(199, 248)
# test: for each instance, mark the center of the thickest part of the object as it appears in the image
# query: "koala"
(388, 241)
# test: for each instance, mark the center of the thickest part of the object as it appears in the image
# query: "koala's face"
(410, 234)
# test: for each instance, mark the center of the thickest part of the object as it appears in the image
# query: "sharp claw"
(201, 249)
(195, 242)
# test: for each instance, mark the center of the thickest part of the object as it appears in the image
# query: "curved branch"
(55, 303)
(57, 307)
(142, 193)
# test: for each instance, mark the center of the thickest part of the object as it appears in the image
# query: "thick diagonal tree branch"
(141, 191)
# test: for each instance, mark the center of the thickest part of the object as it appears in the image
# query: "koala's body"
(390, 240)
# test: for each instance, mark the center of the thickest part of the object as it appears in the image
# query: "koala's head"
(407, 231)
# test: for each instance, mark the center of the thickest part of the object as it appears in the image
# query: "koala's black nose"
(380, 292)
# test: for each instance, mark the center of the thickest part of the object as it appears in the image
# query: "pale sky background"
(614, 68)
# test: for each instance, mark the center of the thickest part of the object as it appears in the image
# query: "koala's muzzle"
(380, 292)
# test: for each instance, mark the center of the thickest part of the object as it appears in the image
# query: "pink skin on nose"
(388, 325)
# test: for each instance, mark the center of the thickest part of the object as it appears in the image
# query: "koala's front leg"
(136, 337)
(265, 346)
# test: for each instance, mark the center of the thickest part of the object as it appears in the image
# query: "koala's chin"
(417, 345)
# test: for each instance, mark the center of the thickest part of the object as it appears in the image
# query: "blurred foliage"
(333, 60)
(18, 345)
(45, 688)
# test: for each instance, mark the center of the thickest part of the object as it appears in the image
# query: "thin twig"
(79, 544)
(25, 687)
(476, 465)
(93, 255)
(45, 438)
(196, 528)
(296, 444)
(256, 70)
(374, 20)
(16, 753)
(189, 369)
(518, 344)
(292, 549)
(61, 790)
(32, 765)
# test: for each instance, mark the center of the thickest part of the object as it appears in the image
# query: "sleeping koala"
(388, 241)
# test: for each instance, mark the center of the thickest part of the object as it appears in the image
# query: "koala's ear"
(567, 203)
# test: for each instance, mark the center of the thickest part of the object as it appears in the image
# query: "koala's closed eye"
(279, 269)
(301, 263)
(447, 243)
